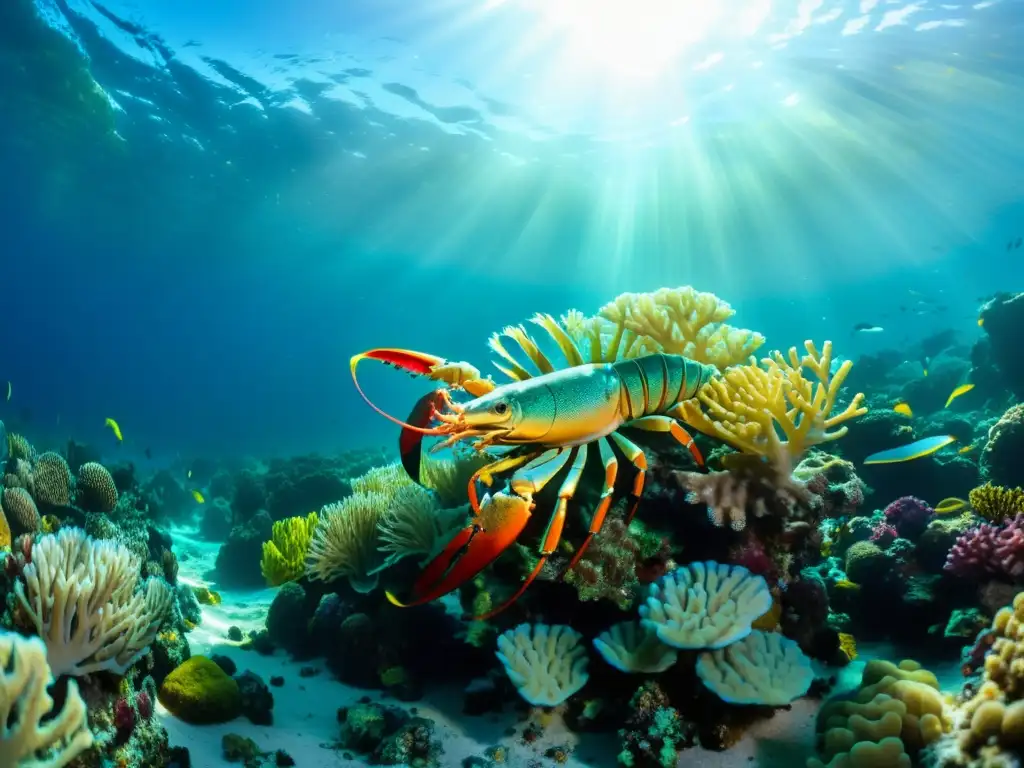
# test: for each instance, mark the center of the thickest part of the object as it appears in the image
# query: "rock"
(234, 633)
(288, 620)
(257, 700)
(277, 681)
(216, 522)
(224, 663)
(481, 696)
(238, 561)
(239, 749)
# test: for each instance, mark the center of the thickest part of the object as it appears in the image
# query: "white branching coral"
(546, 664)
(81, 596)
(31, 735)
(763, 668)
(705, 605)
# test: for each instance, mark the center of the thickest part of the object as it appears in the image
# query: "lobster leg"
(501, 518)
(553, 533)
(636, 456)
(486, 475)
(669, 423)
(611, 471)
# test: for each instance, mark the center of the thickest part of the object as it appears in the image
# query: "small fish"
(965, 449)
(114, 428)
(198, 497)
(867, 328)
(846, 584)
(904, 409)
(915, 450)
(981, 321)
(1017, 243)
(190, 474)
(8, 391)
(963, 389)
(925, 362)
(950, 505)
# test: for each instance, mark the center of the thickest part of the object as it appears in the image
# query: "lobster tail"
(654, 383)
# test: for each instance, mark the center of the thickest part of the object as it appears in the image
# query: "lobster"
(549, 422)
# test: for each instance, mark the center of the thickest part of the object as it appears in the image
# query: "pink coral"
(884, 534)
(124, 718)
(144, 705)
(910, 515)
(996, 550)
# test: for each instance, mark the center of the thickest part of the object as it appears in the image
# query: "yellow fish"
(981, 322)
(847, 584)
(947, 506)
(904, 409)
(963, 389)
(966, 449)
(198, 497)
(114, 428)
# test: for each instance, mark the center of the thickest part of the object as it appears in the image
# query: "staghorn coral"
(997, 550)
(20, 510)
(749, 403)
(344, 543)
(705, 605)
(95, 490)
(546, 664)
(32, 735)
(284, 556)
(680, 321)
(996, 503)
(52, 478)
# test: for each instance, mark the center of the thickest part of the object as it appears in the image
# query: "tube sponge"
(80, 596)
(26, 741)
(705, 605)
(630, 647)
(545, 663)
(762, 668)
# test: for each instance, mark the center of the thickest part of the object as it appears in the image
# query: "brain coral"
(96, 489)
(20, 511)
(52, 480)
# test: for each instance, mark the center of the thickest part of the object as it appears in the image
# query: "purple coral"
(996, 550)
(124, 719)
(884, 534)
(910, 515)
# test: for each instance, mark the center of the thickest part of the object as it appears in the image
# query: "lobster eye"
(500, 408)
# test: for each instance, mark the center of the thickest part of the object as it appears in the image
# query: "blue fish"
(915, 450)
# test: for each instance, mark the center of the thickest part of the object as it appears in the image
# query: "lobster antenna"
(356, 359)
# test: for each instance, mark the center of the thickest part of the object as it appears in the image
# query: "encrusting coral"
(80, 596)
(284, 556)
(547, 664)
(31, 734)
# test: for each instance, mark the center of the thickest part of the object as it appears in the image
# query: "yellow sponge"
(284, 556)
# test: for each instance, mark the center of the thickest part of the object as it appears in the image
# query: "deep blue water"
(207, 208)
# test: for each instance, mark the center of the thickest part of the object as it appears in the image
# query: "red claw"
(410, 441)
(471, 550)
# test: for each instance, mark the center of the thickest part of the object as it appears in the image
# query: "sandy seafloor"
(305, 709)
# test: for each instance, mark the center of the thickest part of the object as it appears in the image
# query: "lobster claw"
(502, 518)
(410, 440)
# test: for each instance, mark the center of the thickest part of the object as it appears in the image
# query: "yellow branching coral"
(284, 556)
(996, 503)
(751, 404)
(344, 543)
(681, 321)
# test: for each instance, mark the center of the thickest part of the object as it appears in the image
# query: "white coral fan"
(545, 663)
(705, 605)
(763, 668)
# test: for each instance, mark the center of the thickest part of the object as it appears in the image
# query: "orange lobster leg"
(502, 517)
(611, 471)
(639, 460)
(670, 423)
(553, 533)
